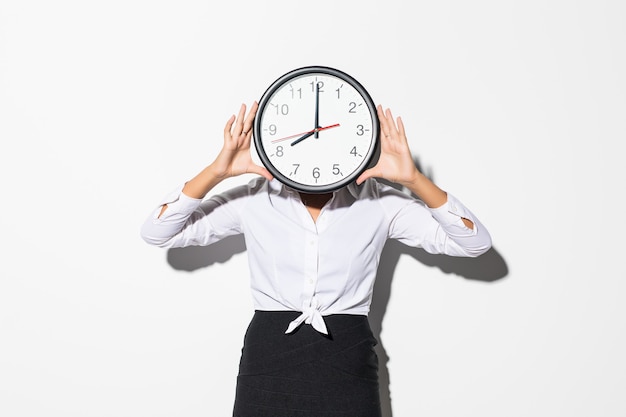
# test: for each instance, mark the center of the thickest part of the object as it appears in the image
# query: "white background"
(516, 107)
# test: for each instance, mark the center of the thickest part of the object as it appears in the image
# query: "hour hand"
(303, 137)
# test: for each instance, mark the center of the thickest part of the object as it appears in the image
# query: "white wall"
(516, 107)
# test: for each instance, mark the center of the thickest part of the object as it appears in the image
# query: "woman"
(308, 350)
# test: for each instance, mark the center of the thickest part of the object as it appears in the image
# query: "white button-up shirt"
(317, 268)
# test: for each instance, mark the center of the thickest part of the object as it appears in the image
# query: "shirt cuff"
(450, 213)
(178, 203)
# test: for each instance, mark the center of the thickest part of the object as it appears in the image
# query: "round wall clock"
(316, 129)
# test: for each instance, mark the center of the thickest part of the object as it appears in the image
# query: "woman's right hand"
(234, 158)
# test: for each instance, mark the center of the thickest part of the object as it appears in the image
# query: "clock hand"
(314, 131)
(317, 110)
(292, 136)
(304, 133)
(303, 137)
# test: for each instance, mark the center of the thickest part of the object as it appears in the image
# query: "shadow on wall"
(197, 257)
(488, 267)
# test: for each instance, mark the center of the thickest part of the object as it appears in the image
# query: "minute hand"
(309, 134)
(317, 110)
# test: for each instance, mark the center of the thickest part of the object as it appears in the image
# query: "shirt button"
(311, 281)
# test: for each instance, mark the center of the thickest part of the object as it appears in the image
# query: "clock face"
(316, 129)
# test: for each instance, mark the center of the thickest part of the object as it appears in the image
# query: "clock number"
(282, 109)
(316, 173)
(320, 85)
(360, 130)
(272, 129)
(295, 93)
(279, 151)
(295, 170)
(354, 152)
(336, 170)
(339, 91)
(352, 108)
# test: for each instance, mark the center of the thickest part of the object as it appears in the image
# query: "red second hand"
(304, 133)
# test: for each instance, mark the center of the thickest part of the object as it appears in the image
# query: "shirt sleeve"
(437, 230)
(190, 221)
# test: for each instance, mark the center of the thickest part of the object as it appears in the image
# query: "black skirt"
(306, 373)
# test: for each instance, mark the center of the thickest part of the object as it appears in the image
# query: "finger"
(401, 127)
(247, 125)
(368, 173)
(229, 125)
(393, 129)
(239, 122)
(384, 128)
(262, 171)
